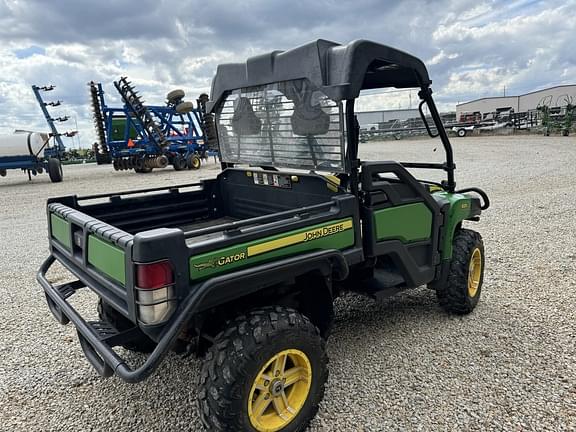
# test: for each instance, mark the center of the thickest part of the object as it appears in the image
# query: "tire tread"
(453, 296)
(224, 371)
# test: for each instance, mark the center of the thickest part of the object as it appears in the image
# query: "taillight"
(155, 291)
(154, 275)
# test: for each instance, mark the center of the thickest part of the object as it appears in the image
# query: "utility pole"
(504, 91)
(77, 136)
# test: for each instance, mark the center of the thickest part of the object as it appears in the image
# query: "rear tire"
(462, 290)
(143, 344)
(461, 133)
(55, 170)
(239, 373)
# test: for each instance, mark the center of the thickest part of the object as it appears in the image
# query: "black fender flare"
(331, 264)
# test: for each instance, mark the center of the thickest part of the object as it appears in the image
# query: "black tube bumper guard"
(97, 343)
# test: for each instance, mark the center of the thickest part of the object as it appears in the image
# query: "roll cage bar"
(341, 72)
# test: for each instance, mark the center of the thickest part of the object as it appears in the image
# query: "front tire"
(180, 163)
(194, 162)
(266, 372)
(462, 290)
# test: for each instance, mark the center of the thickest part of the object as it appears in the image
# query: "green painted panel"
(407, 223)
(107, 258)
(460, 209)
(60, 230)
(119, 129)
(338, 234)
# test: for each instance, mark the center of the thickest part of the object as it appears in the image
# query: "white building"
(553, 97)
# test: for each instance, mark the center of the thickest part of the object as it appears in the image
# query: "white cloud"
(472, 47)
(441, 57)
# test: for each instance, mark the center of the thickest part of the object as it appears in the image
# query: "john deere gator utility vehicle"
(244, 268)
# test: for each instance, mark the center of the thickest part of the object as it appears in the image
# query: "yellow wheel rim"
(279, 390)
(196, 163)
(474, 272)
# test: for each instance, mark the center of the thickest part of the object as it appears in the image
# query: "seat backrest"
(308, 118)
(244, 120)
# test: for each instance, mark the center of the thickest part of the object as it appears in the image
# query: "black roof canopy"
(339, 71)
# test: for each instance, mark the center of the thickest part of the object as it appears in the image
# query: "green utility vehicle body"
(294, 218)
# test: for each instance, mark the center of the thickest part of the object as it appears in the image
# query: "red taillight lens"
(155, 275)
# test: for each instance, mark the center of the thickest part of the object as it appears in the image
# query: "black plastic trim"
(486, 201)
(379, 194)
(413, 274)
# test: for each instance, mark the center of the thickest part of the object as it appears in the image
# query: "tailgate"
(97, 253)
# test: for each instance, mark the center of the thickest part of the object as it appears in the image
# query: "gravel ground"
(397, 365)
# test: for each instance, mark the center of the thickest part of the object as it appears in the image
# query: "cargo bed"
(241, 218)
(238, 206)
(235, 195)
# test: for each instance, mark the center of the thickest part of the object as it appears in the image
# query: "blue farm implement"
(34, 153)
(143, 137)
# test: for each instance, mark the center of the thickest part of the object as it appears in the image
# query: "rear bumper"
(97, 344)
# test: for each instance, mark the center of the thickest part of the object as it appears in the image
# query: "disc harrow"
(143, 137)
(140, 112)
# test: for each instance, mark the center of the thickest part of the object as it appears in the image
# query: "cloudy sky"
(473, 48)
